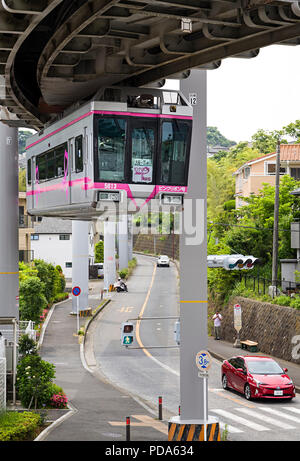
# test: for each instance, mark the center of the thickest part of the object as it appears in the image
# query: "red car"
(257, 377)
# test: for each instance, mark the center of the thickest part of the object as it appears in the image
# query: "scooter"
(120, 286)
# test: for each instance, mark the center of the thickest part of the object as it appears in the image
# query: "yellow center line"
(193, 301)
(138, 323)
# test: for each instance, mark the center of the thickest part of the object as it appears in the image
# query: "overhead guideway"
(56, 52)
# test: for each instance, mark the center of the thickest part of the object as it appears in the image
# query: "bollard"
(160, 408)
(127, 428)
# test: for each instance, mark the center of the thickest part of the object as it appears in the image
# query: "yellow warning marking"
(171, 432)
(9, 273)
(144, 421)
(229, 397)
(193, 301)
(125, 309)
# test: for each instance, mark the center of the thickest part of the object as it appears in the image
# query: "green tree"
(22, 180)
(34, 380)
(99, 252)
(32, 299)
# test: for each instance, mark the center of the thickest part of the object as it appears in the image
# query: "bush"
(282, 300)
(60, 297)
(59, 400)
(32, 299)
(295, 303)
(18, 426)
(123, 273)
(27, 345)
(34, 380)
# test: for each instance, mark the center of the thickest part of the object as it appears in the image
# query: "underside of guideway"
(54, 53)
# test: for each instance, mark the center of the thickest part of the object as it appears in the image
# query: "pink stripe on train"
(106, 112)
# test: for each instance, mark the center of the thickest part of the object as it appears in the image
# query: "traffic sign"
(237, 317)
(76, 291)
(203, 361)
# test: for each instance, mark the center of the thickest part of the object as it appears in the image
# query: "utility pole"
(273, 288)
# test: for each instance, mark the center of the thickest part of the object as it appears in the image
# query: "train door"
(142, 151)
(71, 159)
(77, 173)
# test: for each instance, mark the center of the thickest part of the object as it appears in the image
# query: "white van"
(100, 267)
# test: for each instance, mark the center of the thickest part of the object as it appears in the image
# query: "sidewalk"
(98, 410)
(222, 350)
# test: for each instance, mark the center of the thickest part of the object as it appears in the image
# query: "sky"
(244, 95)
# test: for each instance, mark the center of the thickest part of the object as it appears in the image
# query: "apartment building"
(251, 176)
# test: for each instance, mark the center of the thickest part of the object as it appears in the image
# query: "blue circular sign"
(203, 360)
(76, 291)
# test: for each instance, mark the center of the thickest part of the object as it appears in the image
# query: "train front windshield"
(142, 150)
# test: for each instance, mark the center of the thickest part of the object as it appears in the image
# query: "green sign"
(127, 340)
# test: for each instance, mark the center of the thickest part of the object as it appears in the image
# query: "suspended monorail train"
(123, 150)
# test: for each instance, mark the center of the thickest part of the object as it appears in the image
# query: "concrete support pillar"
(130, 238)
(9, 227)
(109, 254)
(80, 263)
(123, 241)
(193, 279)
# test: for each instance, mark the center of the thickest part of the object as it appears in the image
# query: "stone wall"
(272, 326)
(158, 244)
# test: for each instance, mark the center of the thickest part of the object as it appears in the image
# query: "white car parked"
(163, 260)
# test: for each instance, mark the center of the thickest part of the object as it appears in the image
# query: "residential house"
(25, 230)
(251, 176)
(52, 242)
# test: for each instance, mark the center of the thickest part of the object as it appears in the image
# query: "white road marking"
(265, 418)
(230, 428)
(294, 410)
(280, 414)
(243, 421)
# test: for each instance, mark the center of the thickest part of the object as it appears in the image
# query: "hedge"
(19, 426)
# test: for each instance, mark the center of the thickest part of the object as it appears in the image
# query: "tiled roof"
(53, 226)
(290, 152)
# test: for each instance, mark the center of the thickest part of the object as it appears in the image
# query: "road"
(152, 372)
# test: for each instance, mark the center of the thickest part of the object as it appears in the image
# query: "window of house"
(68, 265)
(34, 237)
(270, 169)
(295, 173)
(64, 237)
(246, 172)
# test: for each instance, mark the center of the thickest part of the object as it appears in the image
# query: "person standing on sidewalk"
(217, 318)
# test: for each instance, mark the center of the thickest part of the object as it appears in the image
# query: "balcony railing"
(25, 221)
(26, 256)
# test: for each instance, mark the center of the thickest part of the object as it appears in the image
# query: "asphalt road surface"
(148, 372)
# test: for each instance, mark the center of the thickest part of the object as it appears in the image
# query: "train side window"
(174, 152)
(41, 168)
(29, 171)
(111, 149)
(51, 165)
(60, 163)
(78, 154)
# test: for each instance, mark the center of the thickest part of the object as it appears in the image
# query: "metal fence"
(25, 327)
(2, 384)
(261, 285)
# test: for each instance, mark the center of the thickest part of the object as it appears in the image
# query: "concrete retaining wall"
(272, 326)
